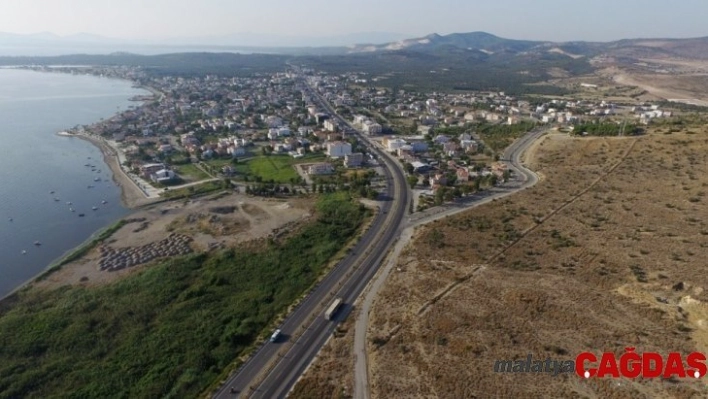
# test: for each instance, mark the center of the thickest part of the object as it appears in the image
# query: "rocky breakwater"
(117, 259)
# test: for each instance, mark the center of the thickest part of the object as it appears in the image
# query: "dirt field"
(688, 88)
(606, 252)
(197, 225)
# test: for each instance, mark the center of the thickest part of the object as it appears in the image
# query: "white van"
(275, 336)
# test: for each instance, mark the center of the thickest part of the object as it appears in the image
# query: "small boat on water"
(87, 165)
(56, 199)
(9, 219)
(97, 179)
(90, 186)
(51, 192)
(104, 202)
(94, 208)
(24, 252)
(72, 210)
(81, 215)
(37, 243)
(68, 203)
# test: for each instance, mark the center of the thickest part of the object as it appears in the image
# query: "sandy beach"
(131, 195)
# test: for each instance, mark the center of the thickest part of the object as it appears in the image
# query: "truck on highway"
(332, 309)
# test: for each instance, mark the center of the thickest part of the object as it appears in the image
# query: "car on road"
(274, 337)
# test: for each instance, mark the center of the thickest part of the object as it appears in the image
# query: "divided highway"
(275, 367)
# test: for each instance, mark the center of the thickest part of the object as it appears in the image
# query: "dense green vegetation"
(455, 69)
(278, 168)
(681, 106)
(170, 330)
(607, 129)
(499, 136)
(190, 172)
(441, 68)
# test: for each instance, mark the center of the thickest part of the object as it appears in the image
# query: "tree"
(439, 196)
(507, 175)
(409, 167)
(412, 180)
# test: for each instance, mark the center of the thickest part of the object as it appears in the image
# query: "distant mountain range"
(485, 44)
(693, 48)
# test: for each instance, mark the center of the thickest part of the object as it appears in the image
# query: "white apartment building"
(338, 149)
(372, 128)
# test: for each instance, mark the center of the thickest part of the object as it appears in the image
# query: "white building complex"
(372, 128)
(338, 149)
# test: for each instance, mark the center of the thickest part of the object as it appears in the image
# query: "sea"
(43, 176)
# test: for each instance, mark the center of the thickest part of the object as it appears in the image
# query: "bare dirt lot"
(606, 252)
(180, 227)
(686, 88)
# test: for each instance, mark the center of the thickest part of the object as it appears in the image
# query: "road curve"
(274, 368)
(522, 179)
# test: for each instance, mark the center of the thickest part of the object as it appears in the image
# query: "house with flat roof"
(353, 160)
(322, 168)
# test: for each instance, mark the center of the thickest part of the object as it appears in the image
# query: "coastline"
(131, 195)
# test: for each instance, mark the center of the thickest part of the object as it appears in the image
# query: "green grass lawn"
(498, 137)
(276, 167)
(168, 330)
(196, 189)
(218, 163)
(191, 172)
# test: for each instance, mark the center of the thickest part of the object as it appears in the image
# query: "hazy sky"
(519, 19)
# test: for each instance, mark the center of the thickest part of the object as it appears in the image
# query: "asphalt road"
(275, 367)
(521, 179)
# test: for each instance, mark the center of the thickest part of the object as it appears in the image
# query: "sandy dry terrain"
(606, 252)
(207, 223)
(670, 86)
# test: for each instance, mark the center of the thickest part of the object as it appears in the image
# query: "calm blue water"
(34, 161)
